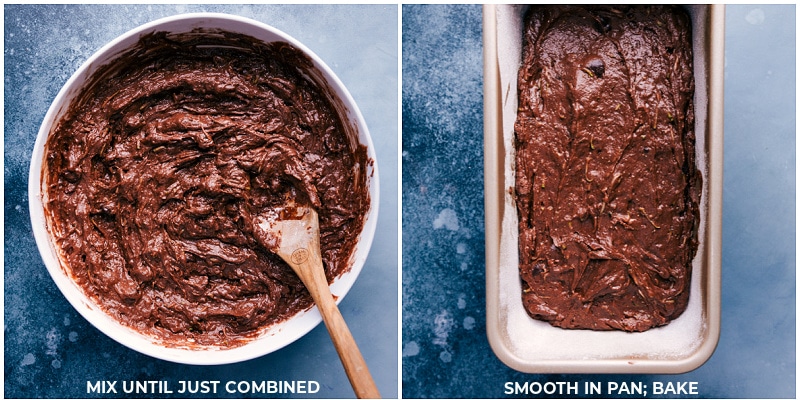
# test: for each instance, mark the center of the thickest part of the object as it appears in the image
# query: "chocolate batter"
(607, 188)
(157, 171)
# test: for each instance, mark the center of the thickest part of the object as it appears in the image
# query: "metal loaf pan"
(532, 346)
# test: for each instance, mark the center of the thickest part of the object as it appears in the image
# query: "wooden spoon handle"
(298, 245)
(352, 360)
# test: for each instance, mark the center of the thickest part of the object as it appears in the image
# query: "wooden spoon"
(293, 234)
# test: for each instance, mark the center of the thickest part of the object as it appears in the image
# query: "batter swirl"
(607, 186)
(160, 165)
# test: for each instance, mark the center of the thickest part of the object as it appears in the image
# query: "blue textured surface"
(50, 350)
(445, 353)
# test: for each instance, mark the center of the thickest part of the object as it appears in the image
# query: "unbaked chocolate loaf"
(607, 186)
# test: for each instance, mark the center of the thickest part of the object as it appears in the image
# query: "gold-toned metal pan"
(534, 346)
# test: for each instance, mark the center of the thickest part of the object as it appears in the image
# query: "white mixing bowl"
(275, 336)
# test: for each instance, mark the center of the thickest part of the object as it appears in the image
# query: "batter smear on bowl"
(607, 189)
(157, 170)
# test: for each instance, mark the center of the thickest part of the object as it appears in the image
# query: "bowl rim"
(264, 342)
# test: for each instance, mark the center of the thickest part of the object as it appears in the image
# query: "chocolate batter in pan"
(155, 174)
(607, 188)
